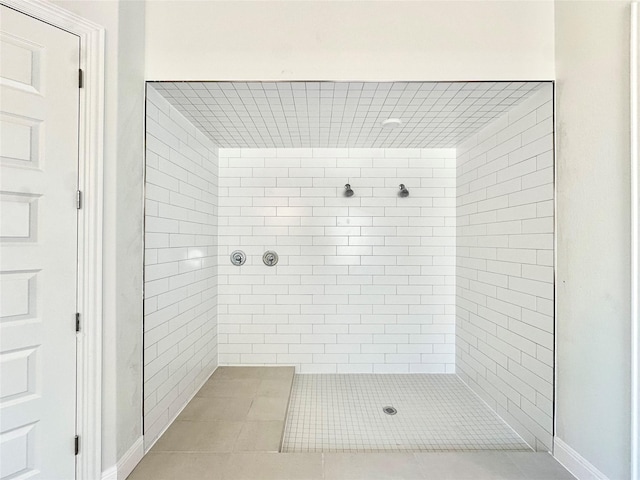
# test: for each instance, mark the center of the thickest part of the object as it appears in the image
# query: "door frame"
(634, 107)
(634, 119)
(89, 274)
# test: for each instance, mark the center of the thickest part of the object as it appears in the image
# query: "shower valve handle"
(238, 257)
(270, 258)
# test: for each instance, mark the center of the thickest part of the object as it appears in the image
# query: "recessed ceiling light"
(391, 123)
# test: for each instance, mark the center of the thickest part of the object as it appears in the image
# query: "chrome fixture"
(270, 258)
(403, 191)
(238, 257)
(347, 191)
(389, 410)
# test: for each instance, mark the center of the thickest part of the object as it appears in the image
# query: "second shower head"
(347, 191)
(403, 191)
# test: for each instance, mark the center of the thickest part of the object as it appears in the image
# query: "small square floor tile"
(344, 413)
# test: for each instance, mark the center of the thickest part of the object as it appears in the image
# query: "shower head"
(347, 191)
(403, 191)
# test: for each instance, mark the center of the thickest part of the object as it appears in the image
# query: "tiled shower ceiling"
(342, 114)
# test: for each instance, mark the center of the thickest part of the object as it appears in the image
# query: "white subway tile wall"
(505, 265)
(364, 284)
(180, 290)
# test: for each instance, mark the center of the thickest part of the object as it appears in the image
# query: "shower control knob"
(270, 258)
(238, 257)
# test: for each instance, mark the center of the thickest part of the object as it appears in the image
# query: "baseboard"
(127, 462)
(180, 411)
(130, 459)
(110, 473)
(574, 462)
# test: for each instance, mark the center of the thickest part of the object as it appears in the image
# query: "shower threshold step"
(239, 409)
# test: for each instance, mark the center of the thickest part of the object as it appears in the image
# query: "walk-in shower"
(424, 284)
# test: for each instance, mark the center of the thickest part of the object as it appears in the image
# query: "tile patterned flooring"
(233, 427)
(343, 413)
(239, 409)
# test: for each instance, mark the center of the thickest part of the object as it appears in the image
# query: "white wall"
(504, 265)
(350, 40)
(181, 248)
(123, 172)
(127, 191)
(364, 284)
(593, 271)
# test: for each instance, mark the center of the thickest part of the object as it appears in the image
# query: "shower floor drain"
(389, 410)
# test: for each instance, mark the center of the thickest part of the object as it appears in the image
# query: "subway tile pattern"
(505, 265)
(343, 413)
(342, 114)
(180, 331)
(364, 284)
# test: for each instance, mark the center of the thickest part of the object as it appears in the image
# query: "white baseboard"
(574, 462)
(110, 473)
(127, 462)
(130, 459)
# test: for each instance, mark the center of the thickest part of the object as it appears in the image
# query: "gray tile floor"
(239, 409)
(232, 429)
(350, 466)
(343, 413)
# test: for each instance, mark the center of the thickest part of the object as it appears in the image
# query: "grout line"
(332, 397)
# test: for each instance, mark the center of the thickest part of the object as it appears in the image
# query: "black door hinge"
(77, 322)
(77, 444)
(80, 78)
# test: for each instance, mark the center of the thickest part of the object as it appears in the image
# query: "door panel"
(38, 247)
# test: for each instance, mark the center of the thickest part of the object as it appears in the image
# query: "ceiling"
(342, 114)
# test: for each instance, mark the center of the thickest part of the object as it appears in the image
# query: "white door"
(39, 101)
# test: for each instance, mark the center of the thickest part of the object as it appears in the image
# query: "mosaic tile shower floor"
(344, 413)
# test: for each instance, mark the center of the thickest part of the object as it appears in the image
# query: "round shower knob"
(238, 257)
(270, 258)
